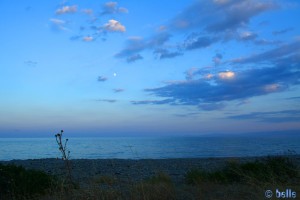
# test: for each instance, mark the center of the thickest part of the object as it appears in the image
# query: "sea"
(151, 147)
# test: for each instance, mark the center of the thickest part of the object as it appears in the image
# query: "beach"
(181, 178)
(129, 170)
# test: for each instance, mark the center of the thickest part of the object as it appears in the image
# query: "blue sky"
(149, 67)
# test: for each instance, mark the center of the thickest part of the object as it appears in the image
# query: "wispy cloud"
(217, 59)
(247, 35)
(267, 42)
(118, 90)
(112, 8)
(293, 98)
(164, 53)
(88, 38)
(134, 58)
(275, 54)
(273, 117)
(135, 45)
(196, 41)
(283, 31)
(102, 79)
(211, 106)
(190, 73)
(30, 63)
(66, 9)
(88, 11)
(153, 102)
(107, 100)
(58, 24)
(122, 10)
(220, 16)
(205, 23)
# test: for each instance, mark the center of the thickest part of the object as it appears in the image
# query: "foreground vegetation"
(235, 181)
(18, 183)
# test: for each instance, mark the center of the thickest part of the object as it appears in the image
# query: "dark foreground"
(201, 178)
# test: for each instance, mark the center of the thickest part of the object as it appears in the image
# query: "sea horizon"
(152, 147)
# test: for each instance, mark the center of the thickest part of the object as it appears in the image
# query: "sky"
(146, 68)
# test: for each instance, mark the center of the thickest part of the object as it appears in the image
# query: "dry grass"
(236, 181)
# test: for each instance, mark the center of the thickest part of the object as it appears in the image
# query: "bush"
(18, 183)
(279, 170)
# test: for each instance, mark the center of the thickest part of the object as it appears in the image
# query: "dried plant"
(65, 153)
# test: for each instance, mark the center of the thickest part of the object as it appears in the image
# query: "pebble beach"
(127, 170)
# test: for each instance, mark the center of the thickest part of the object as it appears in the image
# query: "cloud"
(114, 26)
(247, 35)
(102, 79)
(164, 53)
(134, 58)
(190, 73)
(205, 23)
(293, 98)
(266, 42)
(109, 8)
(272, 87)
(88, 39)
(112, 8)
(273, 117)
(194, 41)
(153, 102)
(226, 75)
(158, 39)
(271, 55)
(211, 106)
(236, 14)
(87, 11)
(122, 10)
(220, 16)
(58, 24)
(135, 45)
(283, 31)
(190, 114)
(118, 90)
(30, 63)
(75, 37)
(107, 100)
(92, 29)
(66, 9)
(217, 59)
(208, 93)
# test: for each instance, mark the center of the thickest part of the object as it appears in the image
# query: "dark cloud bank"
(275, 70)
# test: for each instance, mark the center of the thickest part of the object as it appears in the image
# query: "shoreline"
(133, 170)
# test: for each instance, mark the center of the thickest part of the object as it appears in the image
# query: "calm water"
(146, 147)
